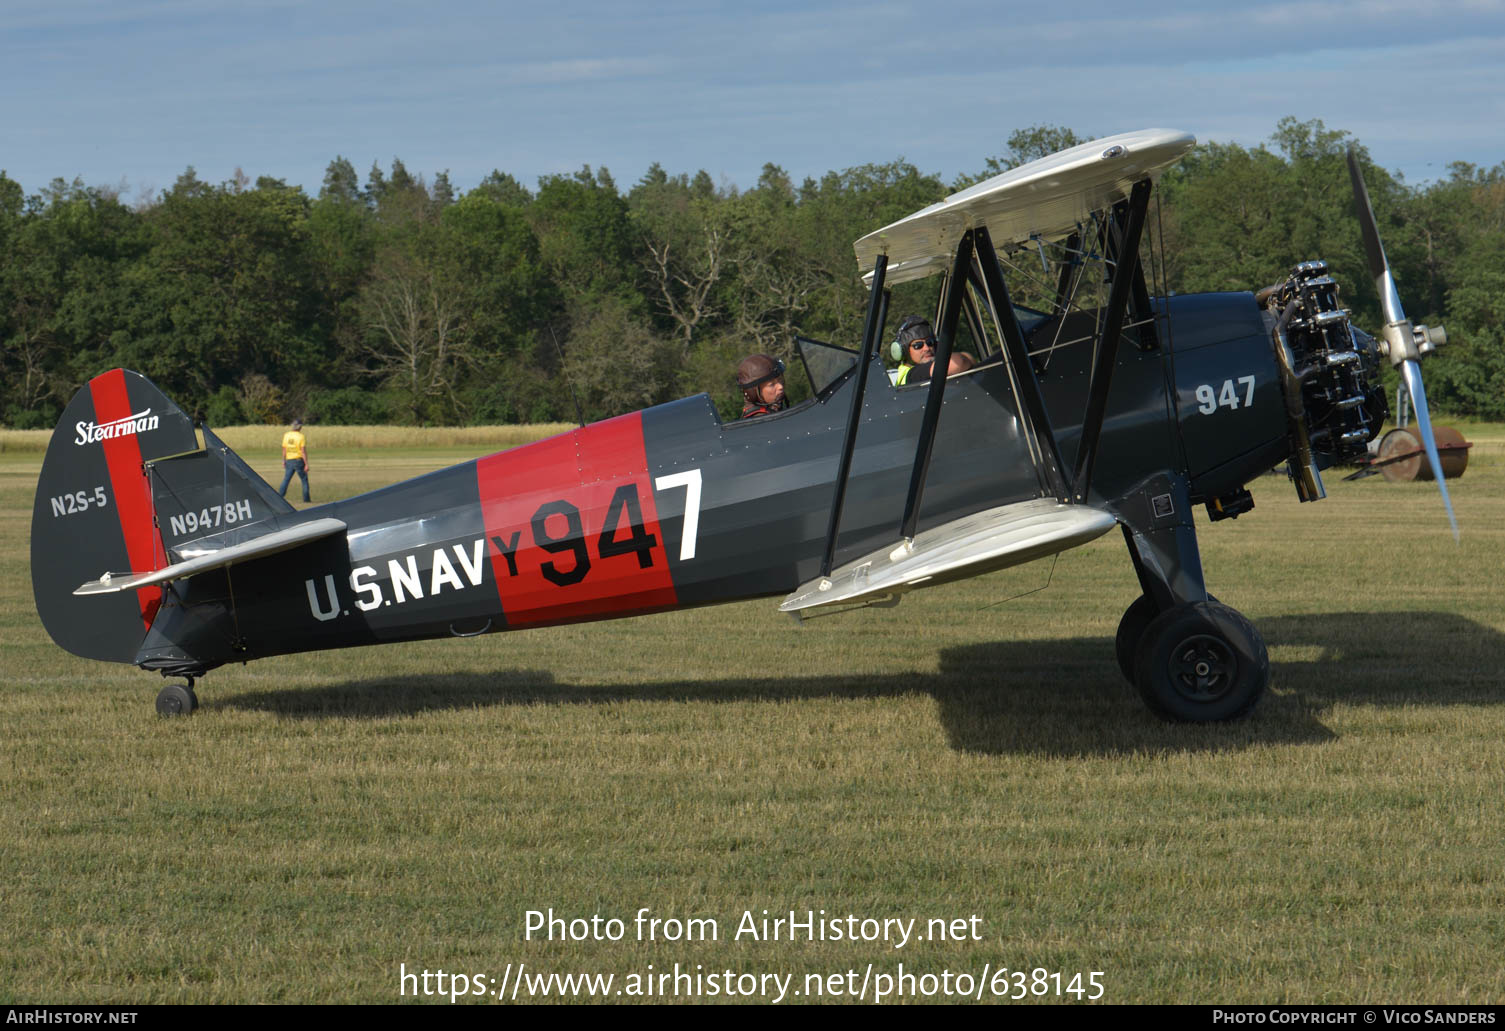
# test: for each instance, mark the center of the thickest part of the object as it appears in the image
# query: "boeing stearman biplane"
(154, 544)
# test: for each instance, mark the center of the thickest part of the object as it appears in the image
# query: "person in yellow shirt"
(294, 458)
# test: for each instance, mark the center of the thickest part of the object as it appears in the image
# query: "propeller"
(1404, 343)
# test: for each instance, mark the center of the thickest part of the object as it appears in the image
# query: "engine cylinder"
(1331, 376)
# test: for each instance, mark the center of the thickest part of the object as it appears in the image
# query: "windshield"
(824, 363)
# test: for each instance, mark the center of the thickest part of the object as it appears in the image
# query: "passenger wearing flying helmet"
(761, 378)
(914, 348)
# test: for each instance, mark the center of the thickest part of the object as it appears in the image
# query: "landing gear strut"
(1191, 658)
(177, 699)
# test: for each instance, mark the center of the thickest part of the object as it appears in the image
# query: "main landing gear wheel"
(1201, 663)
(1131, 631)
(177, 700)
(1131, 628)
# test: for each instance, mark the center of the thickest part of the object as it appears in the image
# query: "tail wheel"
(1201, 663)
(177, 700)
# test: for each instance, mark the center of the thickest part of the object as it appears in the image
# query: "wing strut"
(1070, 265)
(1016, 350)
(1107, 344)
(1140, 308)
(872, 327)
(951, 306)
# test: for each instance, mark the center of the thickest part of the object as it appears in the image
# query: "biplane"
(1105, 404)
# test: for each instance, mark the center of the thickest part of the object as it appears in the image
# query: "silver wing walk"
(1059, 516)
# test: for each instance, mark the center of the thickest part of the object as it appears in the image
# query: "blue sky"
(134, 91)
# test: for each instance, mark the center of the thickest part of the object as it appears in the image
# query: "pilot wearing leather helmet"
(761, 378)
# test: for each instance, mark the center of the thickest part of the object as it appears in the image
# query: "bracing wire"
(1034, 590)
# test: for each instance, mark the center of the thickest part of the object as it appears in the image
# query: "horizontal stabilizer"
(270, 544)
(1009, 535)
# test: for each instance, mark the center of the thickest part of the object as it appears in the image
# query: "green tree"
(453, 300)
(225, 290)
(487, 306)
(417, 339)
(780, 272)
(61, 295)
(688, 242)
(1468, 375)
(586, 236)
(341, 183)
(1238, 219)
(341, 250)
(499, 262)
(504, 189)
(616, 362)
(1229, 219)
(835, 211)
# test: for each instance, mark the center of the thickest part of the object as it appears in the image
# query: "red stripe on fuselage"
(133, 494)
(528, 496)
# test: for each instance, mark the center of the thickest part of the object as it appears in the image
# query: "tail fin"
(124, 485)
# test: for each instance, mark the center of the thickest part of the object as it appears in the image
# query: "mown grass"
(325, 818)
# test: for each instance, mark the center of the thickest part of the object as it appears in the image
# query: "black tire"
(1201, 663)
(176, 700)
(1131, 628)
(1131, 631)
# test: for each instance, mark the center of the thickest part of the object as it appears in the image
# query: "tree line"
(398, 299)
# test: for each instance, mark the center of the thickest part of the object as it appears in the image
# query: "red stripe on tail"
(133, 493)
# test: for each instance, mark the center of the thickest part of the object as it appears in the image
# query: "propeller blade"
(1375, 250)
(1379, 267)
(1411, 371)
(1398, 333)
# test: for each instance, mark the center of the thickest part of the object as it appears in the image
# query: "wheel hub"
(1203, 668)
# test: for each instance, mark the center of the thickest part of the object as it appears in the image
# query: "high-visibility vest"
(903, 375)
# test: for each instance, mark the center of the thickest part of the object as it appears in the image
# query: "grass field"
(326, 819)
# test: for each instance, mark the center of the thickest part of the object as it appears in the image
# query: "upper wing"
(1047, 197)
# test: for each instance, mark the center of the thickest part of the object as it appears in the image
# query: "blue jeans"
(290, 466)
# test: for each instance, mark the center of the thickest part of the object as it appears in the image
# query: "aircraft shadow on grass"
(1060, 697)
